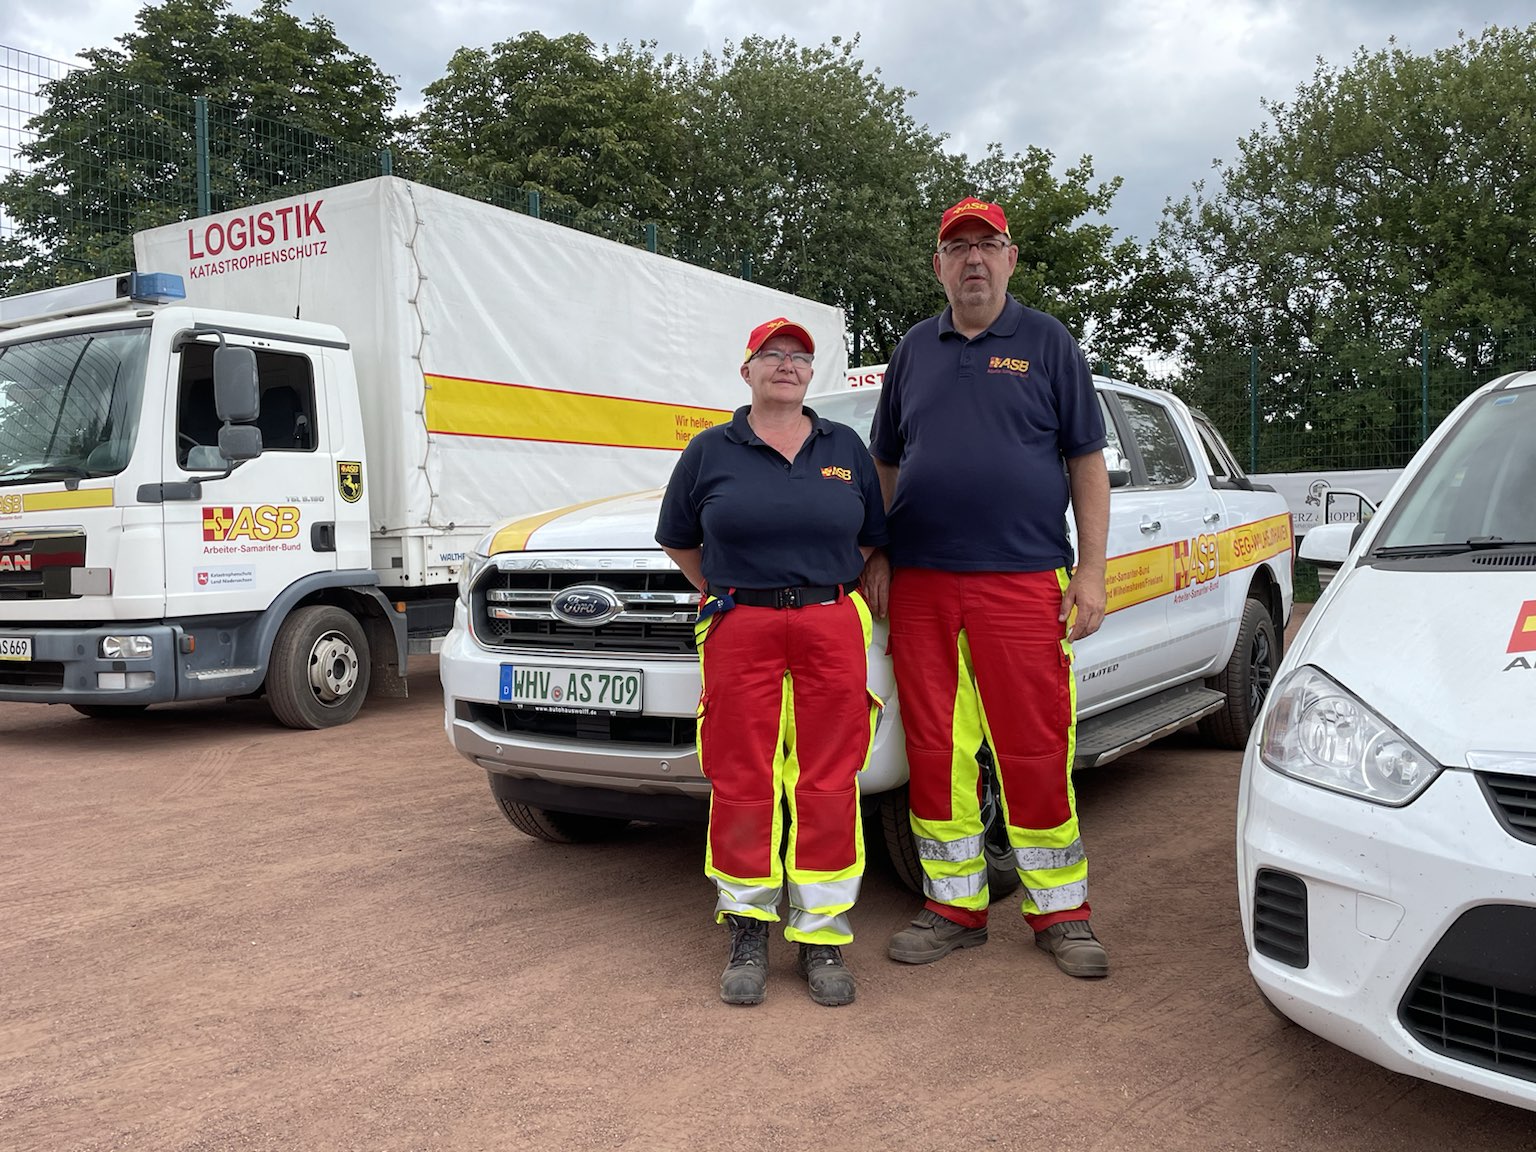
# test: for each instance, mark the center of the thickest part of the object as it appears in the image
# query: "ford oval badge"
(585, 605)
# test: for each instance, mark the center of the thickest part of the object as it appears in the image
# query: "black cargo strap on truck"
(798, 597)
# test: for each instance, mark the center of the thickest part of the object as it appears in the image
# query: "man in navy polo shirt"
(772, 517)
(988, 422)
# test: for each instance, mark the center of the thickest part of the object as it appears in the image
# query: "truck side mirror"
(236, 388)
(239, 442)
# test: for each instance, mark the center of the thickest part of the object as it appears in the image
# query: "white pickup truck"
(570, 675)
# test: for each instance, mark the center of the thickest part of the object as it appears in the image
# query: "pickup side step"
(1112, 734)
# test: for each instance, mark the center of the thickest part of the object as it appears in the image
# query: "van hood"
(615, 524)
(1447, 658)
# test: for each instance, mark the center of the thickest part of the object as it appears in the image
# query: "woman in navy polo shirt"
(771, 516)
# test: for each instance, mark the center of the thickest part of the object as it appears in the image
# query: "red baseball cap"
(972, 209)
(776, 327)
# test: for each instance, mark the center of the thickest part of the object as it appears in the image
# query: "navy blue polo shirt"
(765, 522)
(980, 429)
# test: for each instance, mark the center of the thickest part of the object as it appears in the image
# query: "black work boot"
(931, 937)
(830, 981)
(745, 978)
(1075, 948)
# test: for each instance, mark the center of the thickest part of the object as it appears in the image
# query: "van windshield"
(855, 408)
(69, 404)
(1479, 489)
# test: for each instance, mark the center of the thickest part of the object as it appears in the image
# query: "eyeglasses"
(773, 358)
(989, 246)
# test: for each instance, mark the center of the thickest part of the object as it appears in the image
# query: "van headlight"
(473, 563)
(1316, 731)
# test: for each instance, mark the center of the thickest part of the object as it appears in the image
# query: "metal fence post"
(650, 237)
(204, 194)
(386, 162)
(533, 204)
(746, 265)
(1253, 409)
(1424, 387)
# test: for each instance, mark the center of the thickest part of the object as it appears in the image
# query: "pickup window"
(1164, 461)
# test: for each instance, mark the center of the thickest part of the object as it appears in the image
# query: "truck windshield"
(69, 404)
(1476, 492)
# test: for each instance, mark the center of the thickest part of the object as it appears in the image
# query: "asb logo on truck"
(259, 523)
(349, 480)
(1523, 638)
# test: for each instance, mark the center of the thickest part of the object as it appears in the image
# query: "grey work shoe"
(830, 981)
(745, 978)
(931, 937)
(1075, 948)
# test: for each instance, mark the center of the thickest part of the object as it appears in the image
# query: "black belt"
(780, 597)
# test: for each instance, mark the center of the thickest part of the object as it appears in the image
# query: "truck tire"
(901, 846)
(1246, 680)
(109, 711)
(320, 668)
(549, 825)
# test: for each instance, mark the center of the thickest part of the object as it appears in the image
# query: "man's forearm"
(887, 474)
(1090, 508)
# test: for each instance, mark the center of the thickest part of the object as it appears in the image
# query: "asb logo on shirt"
(832, 472)
(1008, 366)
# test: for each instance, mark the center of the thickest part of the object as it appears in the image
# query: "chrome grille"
(657, 606)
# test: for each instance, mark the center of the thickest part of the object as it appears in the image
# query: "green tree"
(1390, 198)
(596, 132)
(289, 107)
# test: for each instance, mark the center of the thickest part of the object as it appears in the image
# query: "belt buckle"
(786, 597)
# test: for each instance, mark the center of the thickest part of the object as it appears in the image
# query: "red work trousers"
(785, 714)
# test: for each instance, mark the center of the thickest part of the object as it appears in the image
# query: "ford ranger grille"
(653, 611)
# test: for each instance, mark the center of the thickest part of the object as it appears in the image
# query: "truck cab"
(183, 508)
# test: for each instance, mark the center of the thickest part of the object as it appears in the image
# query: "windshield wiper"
(1451, 547)
(46, 472)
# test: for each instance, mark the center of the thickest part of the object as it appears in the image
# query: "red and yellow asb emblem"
(1523, 638)
(265, 522)
(1183, 565)
(217, 522)
(832, 472)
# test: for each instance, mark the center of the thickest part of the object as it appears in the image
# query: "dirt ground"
(218, 934)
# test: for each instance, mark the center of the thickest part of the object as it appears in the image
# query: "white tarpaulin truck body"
(504, 364)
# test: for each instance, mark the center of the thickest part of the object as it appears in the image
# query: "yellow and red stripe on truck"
(457, 406)
(1166, 569)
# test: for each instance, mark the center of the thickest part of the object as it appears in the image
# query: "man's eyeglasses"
(773, 358)
(989, 246)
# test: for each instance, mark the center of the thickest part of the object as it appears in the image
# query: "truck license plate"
(15, 647)
(571, 689)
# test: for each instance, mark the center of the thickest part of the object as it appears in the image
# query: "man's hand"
(1087, 596)
(875, 583)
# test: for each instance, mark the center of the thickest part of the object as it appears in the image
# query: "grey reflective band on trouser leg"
(1062, 899)
(951, 889)
(748, 898)
(808, 922)
(949, 851)
(1044, 859)
(825, 893)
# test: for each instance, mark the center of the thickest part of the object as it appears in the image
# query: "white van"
(1387, 814)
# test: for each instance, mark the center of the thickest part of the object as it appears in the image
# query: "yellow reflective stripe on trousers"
(954, 868)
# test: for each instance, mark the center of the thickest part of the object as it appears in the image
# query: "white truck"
(256, 468)
(570, 676)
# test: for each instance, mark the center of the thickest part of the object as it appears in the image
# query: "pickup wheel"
(320, 668)
(1246, 680)
(901, 846)
(109, 711)
(547, 824)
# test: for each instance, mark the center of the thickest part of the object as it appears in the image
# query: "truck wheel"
(320, 667)
(1246, 679)
(901, 846)
(109, 711)
(554, 827)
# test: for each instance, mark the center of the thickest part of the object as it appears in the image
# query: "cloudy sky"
(1153, 91)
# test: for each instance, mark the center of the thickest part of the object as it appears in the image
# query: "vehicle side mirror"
(239, 442)
(1118, 467)
(1328, 545)
(236, 387)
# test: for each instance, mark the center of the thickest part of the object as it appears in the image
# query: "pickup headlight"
(1318, 732)
(473, 563)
